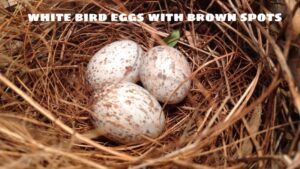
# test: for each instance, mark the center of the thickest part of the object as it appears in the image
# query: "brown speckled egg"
(126, 112)
(164, 69)
(117, 61)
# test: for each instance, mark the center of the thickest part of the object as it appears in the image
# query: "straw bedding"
(240, 113)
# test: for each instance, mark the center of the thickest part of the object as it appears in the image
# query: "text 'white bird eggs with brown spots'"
(126, 112)
(117, 61)
(163, 70)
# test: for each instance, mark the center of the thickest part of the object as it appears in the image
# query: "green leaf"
(173, 38)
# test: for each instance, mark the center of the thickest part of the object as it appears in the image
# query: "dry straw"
(240, 113)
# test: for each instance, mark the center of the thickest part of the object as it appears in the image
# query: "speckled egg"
(126, 112)
(163, 70)
(117, 61)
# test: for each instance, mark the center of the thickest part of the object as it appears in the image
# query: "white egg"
(117, 61)
(163, 70)
(126, 112)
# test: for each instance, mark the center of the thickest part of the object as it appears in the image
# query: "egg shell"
(126, 112)
(163, 70)
(117, 61)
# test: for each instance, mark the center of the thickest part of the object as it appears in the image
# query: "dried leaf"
(254, 123)
(277, 6)
(296, 19)
(8, 3)
(255, 120)
(4, 59)
(294, 64)
(189, 38)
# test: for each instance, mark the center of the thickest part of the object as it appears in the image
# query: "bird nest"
(239, 113)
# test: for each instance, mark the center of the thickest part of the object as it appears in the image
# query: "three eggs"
(126, 112)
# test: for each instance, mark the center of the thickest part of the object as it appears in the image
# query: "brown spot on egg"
(128, 69)
(162, 76)
(105, 61)
(143, 110)
(151, 103)
(108, 105)
(172, 67)
(154, 57)
(109, 114)
(128, 119)
(128, 102)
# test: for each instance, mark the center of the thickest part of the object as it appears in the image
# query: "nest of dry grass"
(240, 112)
